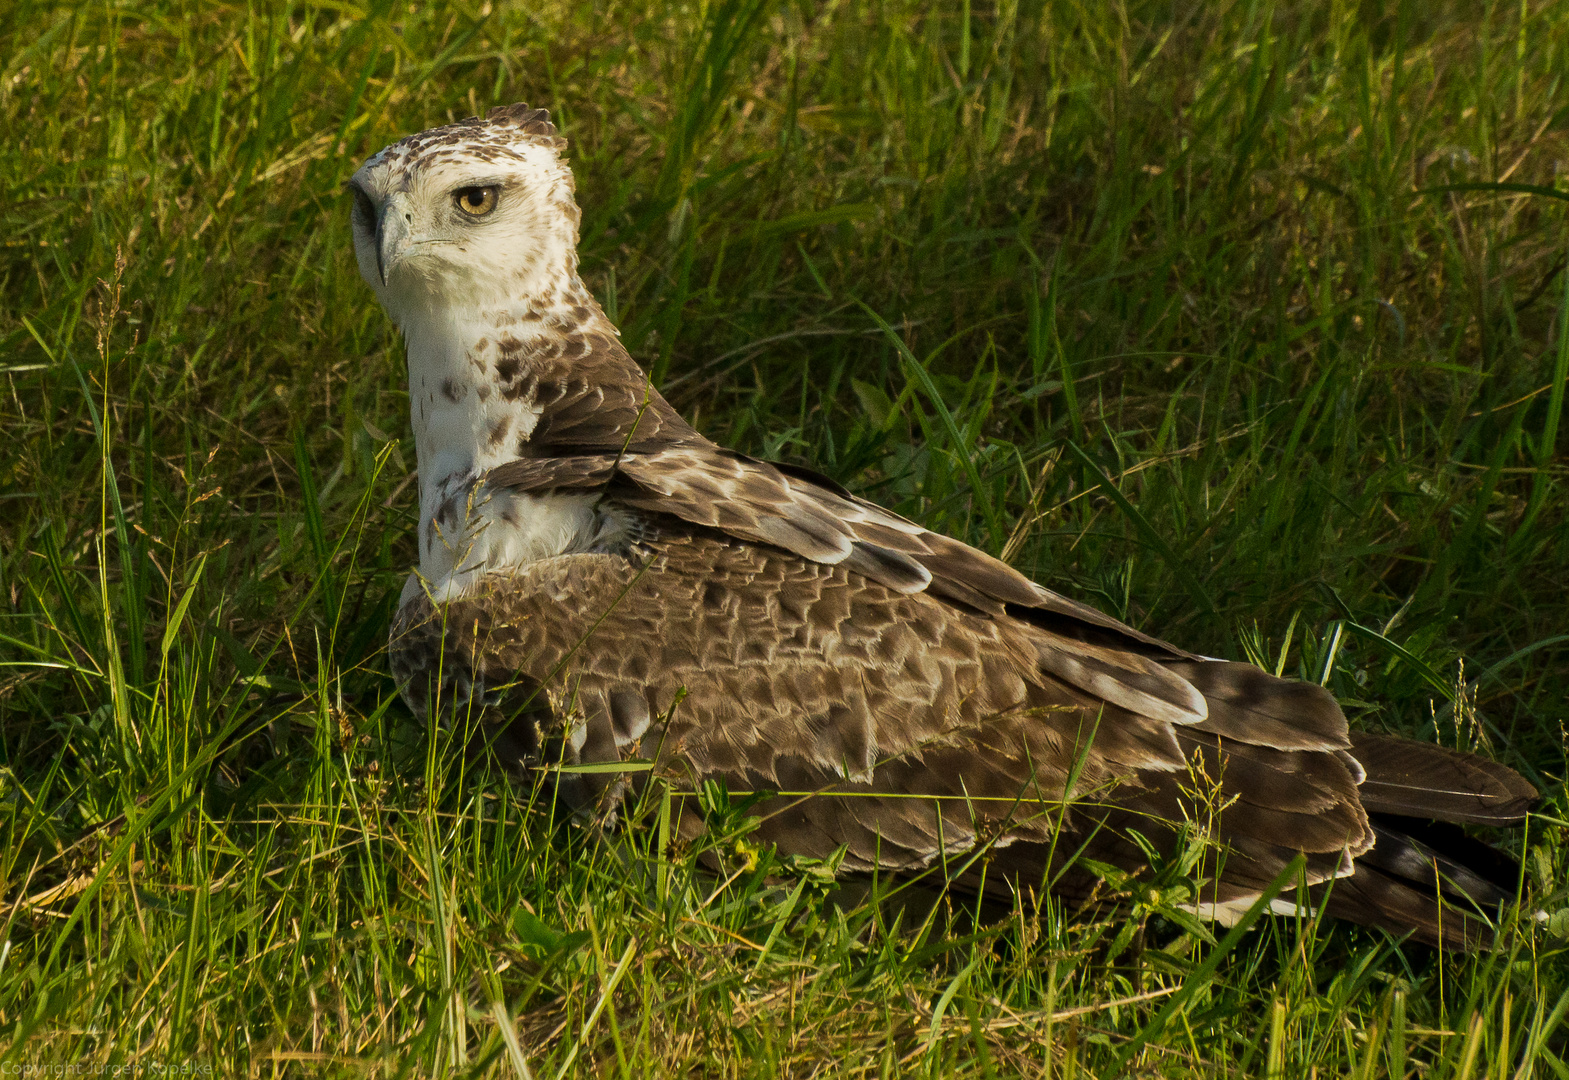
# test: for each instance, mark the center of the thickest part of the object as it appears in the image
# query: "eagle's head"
(476, 213)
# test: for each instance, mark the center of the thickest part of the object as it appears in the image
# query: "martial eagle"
(600, 582)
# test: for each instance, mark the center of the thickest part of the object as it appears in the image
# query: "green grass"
(1224, 317)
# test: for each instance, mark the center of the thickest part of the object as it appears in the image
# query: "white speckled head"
(467, 216)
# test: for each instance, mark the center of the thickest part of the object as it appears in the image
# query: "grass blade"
(1151, 535)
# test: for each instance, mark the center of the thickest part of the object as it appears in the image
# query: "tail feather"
(1419, 780)
(1374, 898)
(1424, 876)
(1443, 877)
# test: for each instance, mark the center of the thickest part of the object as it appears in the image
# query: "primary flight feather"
(598, 581)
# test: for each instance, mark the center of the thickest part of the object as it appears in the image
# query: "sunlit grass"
(1240, 321)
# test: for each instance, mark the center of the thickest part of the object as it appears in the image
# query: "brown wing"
(895, 724)
(752, 500)
(946, 697)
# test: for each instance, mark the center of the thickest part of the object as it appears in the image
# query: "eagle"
(599, 583)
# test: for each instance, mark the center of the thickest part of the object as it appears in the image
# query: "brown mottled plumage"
(600, 582)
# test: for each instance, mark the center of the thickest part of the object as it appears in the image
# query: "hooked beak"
(392, 234)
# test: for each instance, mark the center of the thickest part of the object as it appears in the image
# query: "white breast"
(477, 530)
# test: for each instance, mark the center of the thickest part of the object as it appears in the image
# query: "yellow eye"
(476, 201)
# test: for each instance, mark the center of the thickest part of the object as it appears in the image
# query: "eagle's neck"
(544, 376)
(474, 374)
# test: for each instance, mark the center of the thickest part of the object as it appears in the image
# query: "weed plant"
(1243, 320)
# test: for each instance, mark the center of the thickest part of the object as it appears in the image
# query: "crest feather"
(535, 122)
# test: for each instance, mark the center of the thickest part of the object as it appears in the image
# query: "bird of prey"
(600, 583)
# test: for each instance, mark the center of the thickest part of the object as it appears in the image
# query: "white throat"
(463, 421)
(473, 405)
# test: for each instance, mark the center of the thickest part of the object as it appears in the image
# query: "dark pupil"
(474, 197)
